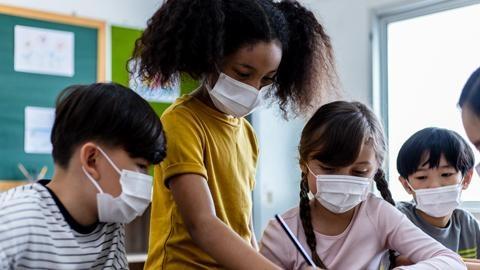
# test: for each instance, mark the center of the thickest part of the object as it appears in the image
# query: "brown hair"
(334, 136)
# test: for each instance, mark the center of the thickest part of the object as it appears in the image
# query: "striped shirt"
(37, 232)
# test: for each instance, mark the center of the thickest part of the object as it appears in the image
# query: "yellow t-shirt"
(222, 149)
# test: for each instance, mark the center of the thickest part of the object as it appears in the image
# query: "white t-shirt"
(37, 232)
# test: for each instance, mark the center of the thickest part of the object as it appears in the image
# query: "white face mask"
(340, 193)
(235, 98)
(132, 202)
(438, 202)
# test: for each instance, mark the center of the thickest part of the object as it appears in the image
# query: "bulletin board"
(20, 89)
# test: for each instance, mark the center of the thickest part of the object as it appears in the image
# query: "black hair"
(471, 93)
(194, 36)
(107, 113)
(434, 142)
(334, 136)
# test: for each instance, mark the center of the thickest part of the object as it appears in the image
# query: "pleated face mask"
(234, 97)
(340, 193)
(440, 201)
(135, 197)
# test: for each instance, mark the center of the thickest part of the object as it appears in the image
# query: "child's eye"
(143, 167)
(421, 177)
(268, 80)
(360, 173)
(242, 75)
(447, 174)
(327, 169)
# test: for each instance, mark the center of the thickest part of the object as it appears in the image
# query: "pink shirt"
(376, 227)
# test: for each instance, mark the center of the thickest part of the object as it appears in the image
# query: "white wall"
(133, 13)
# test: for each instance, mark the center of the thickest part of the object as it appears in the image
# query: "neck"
(202, 94)
(329, 223)
(76, 194)
(439, 222)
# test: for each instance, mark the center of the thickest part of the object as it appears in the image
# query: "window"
(425, 55)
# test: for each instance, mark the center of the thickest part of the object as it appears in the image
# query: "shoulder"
(27, 196)
(184, 106)
(465, 219)
(380, 212)
(405, 207)
(374, 204)
(24, 206)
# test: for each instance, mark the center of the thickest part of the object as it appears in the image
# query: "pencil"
(295, 241)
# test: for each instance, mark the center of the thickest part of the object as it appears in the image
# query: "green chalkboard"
(19, 89)
(123, 43)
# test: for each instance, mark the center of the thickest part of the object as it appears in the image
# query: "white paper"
(157, 94)
(44, 51)
(38, 127)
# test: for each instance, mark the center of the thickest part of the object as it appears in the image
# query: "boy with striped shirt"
(104, 138)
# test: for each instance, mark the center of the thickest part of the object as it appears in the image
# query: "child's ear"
(405, 185)
(89, 159)
(467, 179)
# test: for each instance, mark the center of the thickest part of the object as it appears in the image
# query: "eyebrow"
(363, 163)
(252, 68)
(440, 167)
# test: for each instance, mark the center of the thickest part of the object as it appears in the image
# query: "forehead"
(471, 123)
(261, 56)
(426, 157)
(367, 153)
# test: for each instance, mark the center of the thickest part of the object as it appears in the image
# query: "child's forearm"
(226, 247)
(472, 264)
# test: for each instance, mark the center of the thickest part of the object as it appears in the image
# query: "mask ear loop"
(92, 180)
(310, 171)
(109, 160)
(410, 186)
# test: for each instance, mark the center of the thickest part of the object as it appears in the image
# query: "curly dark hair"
(193, 36)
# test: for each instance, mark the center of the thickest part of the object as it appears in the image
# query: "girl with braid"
(343, 225)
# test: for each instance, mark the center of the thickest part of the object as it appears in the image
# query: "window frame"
(380, 18)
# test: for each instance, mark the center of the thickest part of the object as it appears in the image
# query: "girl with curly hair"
(243, 52)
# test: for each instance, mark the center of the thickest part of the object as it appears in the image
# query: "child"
(435, 165)
(469, 102)
(104, 138)
(342, 148)
(242, 51)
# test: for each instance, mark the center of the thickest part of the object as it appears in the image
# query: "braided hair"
(341, 128)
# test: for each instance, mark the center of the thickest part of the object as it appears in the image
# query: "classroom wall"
(133, 13)
(130, 13)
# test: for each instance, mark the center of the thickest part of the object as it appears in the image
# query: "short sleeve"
(185, 145)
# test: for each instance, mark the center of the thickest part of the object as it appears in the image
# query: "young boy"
(435, 165)
(104, 139)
